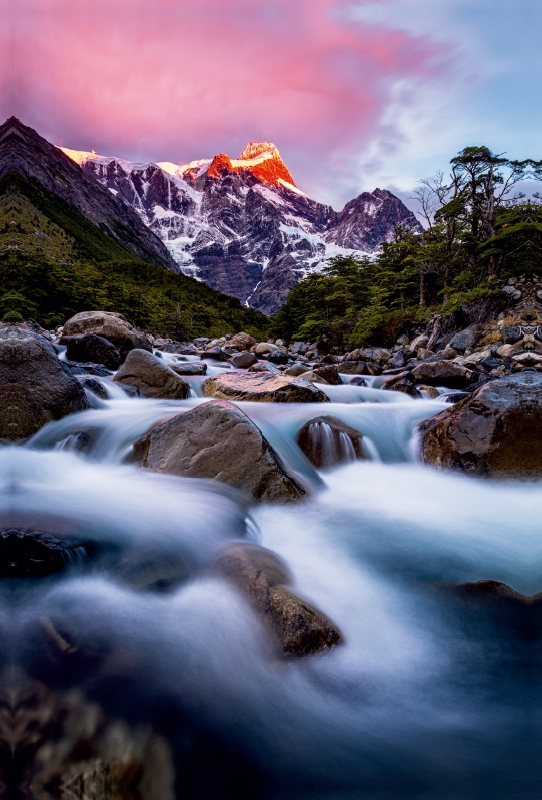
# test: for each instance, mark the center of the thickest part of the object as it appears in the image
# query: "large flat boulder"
(442, 373)
(264, 387)
(298, 628)
(111, 326)
(217, 440)
(35, 386)
(494, 432)
(152, 377)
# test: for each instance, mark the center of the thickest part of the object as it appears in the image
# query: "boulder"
(313, 377)
(278, 357)
(418, 342)
(93, 348)
(442, 373)
(265, 387)
(242, 341)
(214, 354)
(264, 348)
(399, 359)
(298, 348)
(511, 334)
(35, 386)
(111, 326)
(152, 377)
(464, 340)
(492, 432)
(424, 354)
(404, 382)
(171, 346)
(298, 628)
(217, 440)
(263, 366)
(189, 367)
(243, 360)
(380, 355)
(296, 369)
(329, 372)
(358, 368)
(328, 441)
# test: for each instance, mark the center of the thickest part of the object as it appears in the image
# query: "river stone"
(299, 628)
(511, 334)
(442, 373)
(278, 357)
(264, 387)
(493, 432)
(296, 370)
(35, 386)
(328, 441)
(463, 340)
(93, 348)
(329, 372)
(217, 440)
(404, 382)
(242, 341)
(358, 368)
(243, 360)
(152, 377)
(111, 326)
(189, 367)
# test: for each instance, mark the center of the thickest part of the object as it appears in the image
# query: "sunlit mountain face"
(242, 225)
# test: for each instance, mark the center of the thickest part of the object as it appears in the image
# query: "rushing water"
(429, 696)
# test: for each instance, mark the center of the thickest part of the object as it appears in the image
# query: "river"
(430, 695)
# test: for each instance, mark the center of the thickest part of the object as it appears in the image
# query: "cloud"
(183, 79)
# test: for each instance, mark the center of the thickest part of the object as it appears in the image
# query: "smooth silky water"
(427, 697)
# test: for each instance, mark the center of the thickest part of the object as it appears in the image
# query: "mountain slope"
(241, 225)
(23, 152)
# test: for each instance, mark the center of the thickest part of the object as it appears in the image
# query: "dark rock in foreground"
(217, 440)
(493, 432)
(35, 386)
(93, 348)
(152, 377)
(262, 387)
(299, 628)
(109, 325)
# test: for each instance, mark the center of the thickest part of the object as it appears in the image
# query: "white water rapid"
(427, 697)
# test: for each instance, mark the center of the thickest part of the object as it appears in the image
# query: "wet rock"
(152, 377)
(217, 440)
(262, 387)
(313, 377)
(296, 370)
(430, 391)
(264, 348)
(358, 368)
(189, 367)
(178, 348)
(278, 357)
(242, 341)
(442, 373)
(404, 382)
(95, 387)
(399, 359)
(329, 372)
(243, 360)
(491, 590)
(214, 354)
(93, 348)
(111, 326)
(201, 342)
(328, 441)
(35, 386)
(299, 628)
(263, 366)
(492, 432)
(79, 368)
(464, 340)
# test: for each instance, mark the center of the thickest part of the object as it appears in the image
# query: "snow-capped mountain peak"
(241, 225)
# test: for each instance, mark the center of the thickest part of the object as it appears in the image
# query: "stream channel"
(430, 695)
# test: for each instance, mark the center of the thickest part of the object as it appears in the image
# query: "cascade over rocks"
(491, 433)
(298, 627)
(111, 326)
(35, 386)
(264, 387)
(93, 348)
(217, 440)
(152, 377)
(328, 441)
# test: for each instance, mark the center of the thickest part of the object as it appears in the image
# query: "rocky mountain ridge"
(242, 225)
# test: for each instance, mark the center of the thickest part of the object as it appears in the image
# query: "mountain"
(68, 244)
(30, 157)
(242, 225)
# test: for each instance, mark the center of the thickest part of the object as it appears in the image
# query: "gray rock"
(35, 386)
(298, 628)
(442, 373)
(243, 360)
(242, 341)
(91, 347)
(111, 326)
(217, 440)
(263, 387)
(328, 441)
(464, 340)
(189, 367)
(152, 377)
(511, 334)
(492, 432)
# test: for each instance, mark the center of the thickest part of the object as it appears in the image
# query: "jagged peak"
(256, 149)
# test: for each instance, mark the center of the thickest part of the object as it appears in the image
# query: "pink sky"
(176, 80)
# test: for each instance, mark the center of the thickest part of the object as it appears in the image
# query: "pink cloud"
(183, 79)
